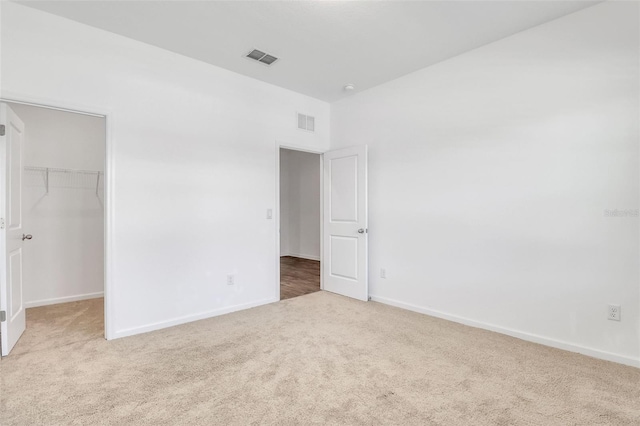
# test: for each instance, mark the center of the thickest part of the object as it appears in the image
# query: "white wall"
(65, 259)
(299, 204)
(489, 176)
(193, 157)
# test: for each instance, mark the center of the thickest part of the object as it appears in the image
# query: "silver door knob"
(27, 237)
(361, 231)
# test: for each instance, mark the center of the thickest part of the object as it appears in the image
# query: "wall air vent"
(260, 56)
(306, 122)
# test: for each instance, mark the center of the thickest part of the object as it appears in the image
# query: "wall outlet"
(231, 279)
(383, 273)
(614, 312)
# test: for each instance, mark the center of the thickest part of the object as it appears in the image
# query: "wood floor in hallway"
(298, 277)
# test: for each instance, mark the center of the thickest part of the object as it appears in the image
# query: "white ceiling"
(322, 45)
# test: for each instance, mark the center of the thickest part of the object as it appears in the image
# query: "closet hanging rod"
(47, 170)
(59, 170)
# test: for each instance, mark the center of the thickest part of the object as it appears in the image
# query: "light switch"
(269, 214)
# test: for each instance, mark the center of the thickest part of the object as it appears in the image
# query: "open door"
(12, 311)
(345, 251)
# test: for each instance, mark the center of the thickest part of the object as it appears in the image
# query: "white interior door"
(345, 252)
(12, 311)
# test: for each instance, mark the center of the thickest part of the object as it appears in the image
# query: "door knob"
(361, 231)
(27, 237)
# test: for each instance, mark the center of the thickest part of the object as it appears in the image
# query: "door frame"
(108, 115)
(276, 216)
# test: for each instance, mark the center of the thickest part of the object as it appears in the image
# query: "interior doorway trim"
(108, 115)
(276, 216)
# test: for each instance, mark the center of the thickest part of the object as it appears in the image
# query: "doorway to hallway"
(300, 223)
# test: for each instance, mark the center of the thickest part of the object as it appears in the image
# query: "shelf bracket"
(46, 180)
(97, 184)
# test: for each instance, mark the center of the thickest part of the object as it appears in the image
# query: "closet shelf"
(46, 171)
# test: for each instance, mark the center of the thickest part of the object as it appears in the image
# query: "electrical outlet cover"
(614, 312)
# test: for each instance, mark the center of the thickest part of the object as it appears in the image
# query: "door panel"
(344, 189)
(14, 149)
(11, 290)
(15, 284)
(345, 222)
(344, 257)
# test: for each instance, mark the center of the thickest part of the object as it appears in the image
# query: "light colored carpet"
(319, 358)
(49, 327)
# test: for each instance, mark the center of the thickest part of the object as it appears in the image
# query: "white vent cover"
(306, 122)
(260, 56)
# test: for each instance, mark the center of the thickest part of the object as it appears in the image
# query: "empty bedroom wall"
(193, 155)
(65, 259)
(490, 178)
(299, 204)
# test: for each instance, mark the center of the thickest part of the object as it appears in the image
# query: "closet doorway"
(300, 222)
(58, 281)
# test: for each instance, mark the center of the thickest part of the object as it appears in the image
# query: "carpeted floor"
(53, 326)
(319, 358)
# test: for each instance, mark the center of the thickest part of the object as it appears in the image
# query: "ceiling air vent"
(260, 56)
(306, 122)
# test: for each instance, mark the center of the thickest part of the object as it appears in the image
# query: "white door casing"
(11, 290)
(345, 234)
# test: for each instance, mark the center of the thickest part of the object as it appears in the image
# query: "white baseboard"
(303, 256)
(55, 301)
(190, 318)
(595, 353)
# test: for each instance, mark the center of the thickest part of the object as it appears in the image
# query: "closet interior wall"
(63, 205)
